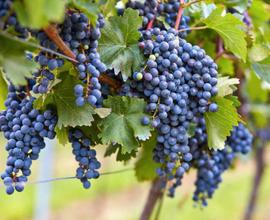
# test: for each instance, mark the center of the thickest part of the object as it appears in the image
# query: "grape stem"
(150, 24)
(52, 33)
(179, 14)
(156, 192)
(193, 28)
(221, 52)
(191, 3)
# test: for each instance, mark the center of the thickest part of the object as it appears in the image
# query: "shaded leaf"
(118, 45)
(3, 91)
(62, 97)
(123, 125)
(12, 58)
(145, 167)
(62, 135)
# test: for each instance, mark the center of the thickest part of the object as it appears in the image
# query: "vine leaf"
(229, 28)
(118, 45)
(108, 7)
(226, 86)
(62, 135)
(225, 66)
(89, 8)
(123, 125)
(103, 112)
(220, 124)
(254, 87)
(3, 90)
(262, 69)
(121, 155)
(13, 61)
(40, 14)
(145, 167)
(258, 52)
(62, 97)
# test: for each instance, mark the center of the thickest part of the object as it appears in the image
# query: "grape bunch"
(25, 129)
(212, 164)
(85, 156)
(9, 19)
(178, 82)
(82, 38)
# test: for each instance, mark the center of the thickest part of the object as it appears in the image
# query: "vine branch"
(191, 3)
(52, 33)
(260, 167)
(156, 192)
(193, 28)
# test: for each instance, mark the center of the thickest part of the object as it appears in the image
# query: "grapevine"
(166, 83)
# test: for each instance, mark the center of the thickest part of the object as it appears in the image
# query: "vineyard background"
(120, 197)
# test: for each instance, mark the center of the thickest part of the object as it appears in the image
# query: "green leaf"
(39, 14)
(240, 5)
(3, 91)
(89, 8)
(225, 66)
(121, 155)
(229, 28)
(108, 7)
(259, 119)
(12, 58)
(235, 100)
(145, 167)
(123, 125)
(258, 53)
(226, 86)
(260, 114)
(69, 114)
(103, 112)
(262, 69)
(92, 132)
(191, 129)
(62, 135)
(255, 91)
(118, 45)
(220, 124)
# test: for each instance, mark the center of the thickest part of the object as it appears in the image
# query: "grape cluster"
(9, 19)
(212, 164)
(240, 140)
(25, 129)
(82, 38)
(86, 157)
(178, 82)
